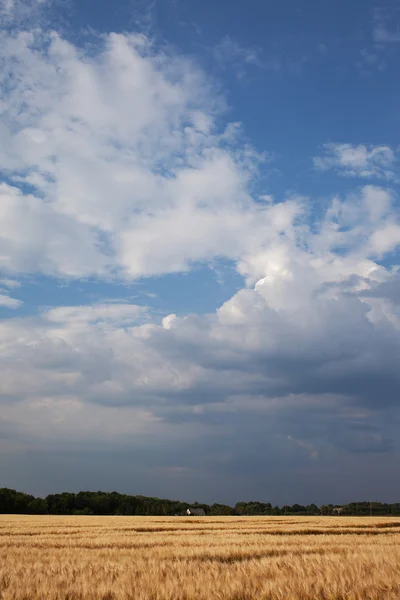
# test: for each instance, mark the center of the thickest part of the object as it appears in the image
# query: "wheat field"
(182, 558)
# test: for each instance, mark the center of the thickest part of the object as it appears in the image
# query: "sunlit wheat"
(138, 558)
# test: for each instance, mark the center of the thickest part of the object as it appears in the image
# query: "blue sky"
(199, 236)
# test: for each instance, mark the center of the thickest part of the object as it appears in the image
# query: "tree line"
(113, 503)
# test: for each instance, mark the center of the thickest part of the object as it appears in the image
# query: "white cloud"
(382, 35)
(283, 337)
(7, 6)
(9, 283)
(358, 161)
(8, 302)
(370, 61)
(131, 175)
(229, 53)
(307, 323)
(18, 12)
(128, 168)
(168, 321)
(124, 156)
(229, 50)
(385, 239)
(118, 315)
(36, 238)
(306, 345)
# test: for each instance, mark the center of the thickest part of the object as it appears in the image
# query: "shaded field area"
(188, 558)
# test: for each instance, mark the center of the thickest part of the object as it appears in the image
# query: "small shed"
(196, 512)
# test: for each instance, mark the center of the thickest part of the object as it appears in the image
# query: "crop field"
(226, 558)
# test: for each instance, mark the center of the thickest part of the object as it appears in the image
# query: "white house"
(196, 512)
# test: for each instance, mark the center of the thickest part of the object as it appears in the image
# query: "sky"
(199, 249)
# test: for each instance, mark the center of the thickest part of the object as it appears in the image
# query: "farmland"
(229, 558)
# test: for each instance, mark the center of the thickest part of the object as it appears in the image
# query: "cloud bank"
(117, 164)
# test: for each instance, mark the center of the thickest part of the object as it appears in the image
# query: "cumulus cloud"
(120, 157)
(116, 164)
(358, 161)
(35, 238)
(122, 152)
(306, 338)
(389, 289)
(305, 382)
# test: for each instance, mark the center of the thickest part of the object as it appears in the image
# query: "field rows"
(182, 558)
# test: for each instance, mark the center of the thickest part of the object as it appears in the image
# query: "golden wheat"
(184, 558)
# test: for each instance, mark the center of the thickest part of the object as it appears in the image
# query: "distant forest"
(113, 503)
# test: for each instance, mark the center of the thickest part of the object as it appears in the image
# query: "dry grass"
(137, 558)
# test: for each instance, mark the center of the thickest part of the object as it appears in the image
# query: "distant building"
(337, 510)
(196, 512)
